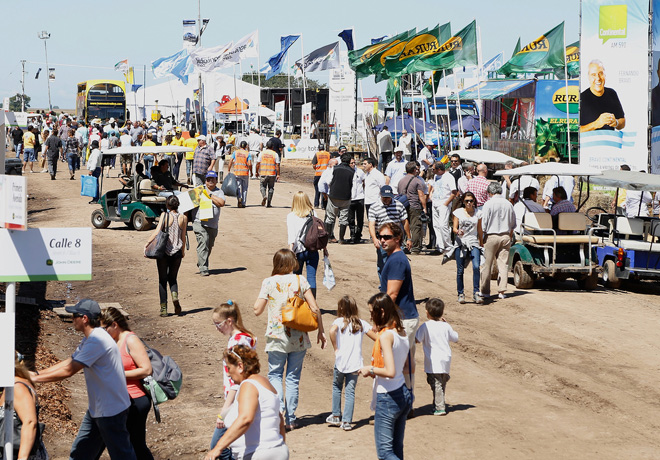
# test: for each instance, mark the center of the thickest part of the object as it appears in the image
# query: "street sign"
(13, 202)
(45, 254)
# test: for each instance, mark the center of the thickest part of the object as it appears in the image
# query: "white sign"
(5, 104)
(44, 254)
(306, 125)
(300, 148)
(13, 202)
(7, 321)
(342, 96)
(279, 115)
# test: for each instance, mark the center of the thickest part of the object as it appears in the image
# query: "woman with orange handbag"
(286, 346)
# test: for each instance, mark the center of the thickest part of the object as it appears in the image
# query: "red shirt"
(479, 186)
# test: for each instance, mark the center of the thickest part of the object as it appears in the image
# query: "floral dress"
(276, 290)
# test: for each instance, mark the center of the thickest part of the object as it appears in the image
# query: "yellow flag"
(129, 76)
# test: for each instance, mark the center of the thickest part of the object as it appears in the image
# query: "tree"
(15, 102)
(280, 81)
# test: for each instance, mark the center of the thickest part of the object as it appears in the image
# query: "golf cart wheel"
(522, 278)
(140, 221)
(610, 280)
(99, 220)
(588, 283)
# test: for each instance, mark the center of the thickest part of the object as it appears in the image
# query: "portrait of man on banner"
(600, 107)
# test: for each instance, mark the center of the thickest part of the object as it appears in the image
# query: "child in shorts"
(435, 335)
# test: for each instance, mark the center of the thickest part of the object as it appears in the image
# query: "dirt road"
(551, 372)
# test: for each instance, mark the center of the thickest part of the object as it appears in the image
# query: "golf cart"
(630, 245)
(555, 252)
(141, 204)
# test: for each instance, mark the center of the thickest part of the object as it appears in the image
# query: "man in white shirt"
(426, 158)
(255, 144)
(465, 141)
(521, 183)
(527, 204)
(637, 203)
(385, 147)
(373, 182)
(444, 192)
(326, 178)
(498, 220)
(567, 182)
(356, 209)
(405, 143)
(396, 169)
(468, 173)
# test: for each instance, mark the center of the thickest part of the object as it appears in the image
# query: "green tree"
(15, 102)
(280, 81)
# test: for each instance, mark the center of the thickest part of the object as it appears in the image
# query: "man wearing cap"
(396, 169)
(386, 210)
(426, 158)
(104, 423)
(385, 147)
(207, 230)
(320, 164)
(203, 161)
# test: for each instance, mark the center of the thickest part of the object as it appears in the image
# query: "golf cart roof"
(550, 169)
(486, 156)
(629, 180)
(147, 150)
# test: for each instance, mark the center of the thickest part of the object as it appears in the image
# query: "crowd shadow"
(329, 312)
(428, 409)
(224, 271)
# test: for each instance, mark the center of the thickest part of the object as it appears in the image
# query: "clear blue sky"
(99, 34)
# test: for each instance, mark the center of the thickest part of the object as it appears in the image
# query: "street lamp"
(45, 36)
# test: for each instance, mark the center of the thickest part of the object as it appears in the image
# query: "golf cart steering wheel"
(594, 216)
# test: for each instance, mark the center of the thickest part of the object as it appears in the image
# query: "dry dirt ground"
(550, 372)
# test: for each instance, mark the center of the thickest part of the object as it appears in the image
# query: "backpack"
(165, 380)
(313, 234)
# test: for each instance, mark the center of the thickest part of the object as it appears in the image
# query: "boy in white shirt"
(435, 335)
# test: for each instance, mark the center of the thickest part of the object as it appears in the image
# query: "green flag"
(378, 68)
(460, 50)
(573, 60)
(421, 45)
(546, 52)
(362, 60)
(393, 93)
(516, 50)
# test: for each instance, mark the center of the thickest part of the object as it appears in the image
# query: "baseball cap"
(211, 174)
(178, 129)
(112, 120)
(87, 307)
(386, 191)
(342, 147)
(201, 138)
(430, 141)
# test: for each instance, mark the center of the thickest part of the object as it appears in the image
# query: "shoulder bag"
(297, 314)
(157, 248)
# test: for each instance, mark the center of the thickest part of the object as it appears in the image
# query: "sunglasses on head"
(384, 237)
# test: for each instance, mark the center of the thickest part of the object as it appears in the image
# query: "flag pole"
(259, 82)
(302, 64)
(435, 109)
(568, 115)
(235, 101)
(444, 81)
(479, 71)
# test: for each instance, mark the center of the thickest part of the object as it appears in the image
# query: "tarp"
(629, 180)
(493, 89)
(408, 123)
(233, 106)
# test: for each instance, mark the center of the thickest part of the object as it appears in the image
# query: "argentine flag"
(180, 65)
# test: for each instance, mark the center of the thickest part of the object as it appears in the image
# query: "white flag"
(246, 47)
(208, 59)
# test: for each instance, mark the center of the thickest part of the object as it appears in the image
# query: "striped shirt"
(381, 214)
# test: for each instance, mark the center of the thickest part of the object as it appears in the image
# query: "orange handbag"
(297, 314)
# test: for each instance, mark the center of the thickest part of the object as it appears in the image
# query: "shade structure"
(551, 169)
(487, 156)
(470, 123)
(629, 180)
(233, 106)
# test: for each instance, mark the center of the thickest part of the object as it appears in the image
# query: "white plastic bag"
(328, 274)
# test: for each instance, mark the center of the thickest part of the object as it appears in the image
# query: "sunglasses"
(219, 325)
(468, 201)
(384, 237)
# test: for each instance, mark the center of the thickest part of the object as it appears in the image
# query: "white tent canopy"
(171, 94)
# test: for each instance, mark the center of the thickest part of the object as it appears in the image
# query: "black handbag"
(157, 248)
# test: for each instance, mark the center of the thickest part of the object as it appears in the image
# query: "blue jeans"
(73, 160)
(349, 400)
(29, 155)
(217, 434)
(293, 361)
(461, 263)
(95, 434)
(189, 165)
(242, 183)
(381, 258)
(148, 163)
(390, 422)
(311, 258)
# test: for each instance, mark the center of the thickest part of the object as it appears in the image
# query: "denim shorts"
(30, 155)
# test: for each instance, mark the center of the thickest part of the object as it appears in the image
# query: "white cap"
(201, 138)
(112, 120)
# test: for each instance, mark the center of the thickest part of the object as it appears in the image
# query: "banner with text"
(342, 95)
(614, 83)
(550, 116)
(306, 120)
(279, 115)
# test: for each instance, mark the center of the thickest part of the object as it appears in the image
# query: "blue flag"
(134, 88)
(180, 65)
(378, 40)
(274, 65)
(347, 36)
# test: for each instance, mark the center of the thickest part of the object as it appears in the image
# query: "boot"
(177, 305)
(342, 233)
(163, 309)
(330, 230)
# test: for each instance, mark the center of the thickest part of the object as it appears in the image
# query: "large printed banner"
(655, 92)
(306, 120)
(342, 96)
(279, 115)
(551, 118)
(614, 83)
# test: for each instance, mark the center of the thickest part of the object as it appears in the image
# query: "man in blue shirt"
(396, 281)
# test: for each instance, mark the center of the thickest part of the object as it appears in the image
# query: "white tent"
(171, 95)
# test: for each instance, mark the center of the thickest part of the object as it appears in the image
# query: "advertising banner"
(208, 59)
(13, 202)
(550, 117)
(279, 115)
(303, 149)
(655, 92)
(306, 120)
(44, 254)
(614, 84)
(342, 96)
(189, 33)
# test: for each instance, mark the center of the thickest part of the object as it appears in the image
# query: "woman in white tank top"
(392, 400)
(255, 428)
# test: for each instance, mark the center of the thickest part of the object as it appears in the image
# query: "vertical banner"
(189, 33)
(342, 96)
(614, 82)
(279, 115)
(51, 74)
(655, 92)
(306, 125)
(550, 117)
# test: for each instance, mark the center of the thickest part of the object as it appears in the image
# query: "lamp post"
(43, 35)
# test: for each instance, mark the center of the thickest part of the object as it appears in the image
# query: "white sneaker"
(478, 299)
(333, 420)
(501, 295)
(461, 298)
